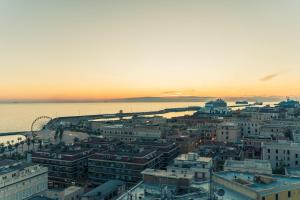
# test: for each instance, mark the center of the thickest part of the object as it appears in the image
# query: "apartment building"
(21, 180)
(66, 166)
(228, 132)
(123, 163)
(251, 186)
(192, 163)
(282, 153)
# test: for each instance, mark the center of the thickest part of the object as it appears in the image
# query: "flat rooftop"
(248, 180)
(167, 174)
(14, 167)
(197, 158)
(249, 163)
(139, 192)
(104, 189)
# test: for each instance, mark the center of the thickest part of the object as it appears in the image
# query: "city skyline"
(72, 50)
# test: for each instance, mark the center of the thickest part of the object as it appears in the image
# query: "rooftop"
(104, 189)
(139, 192)
(260, 184)
(14, 166)
(193, 157)
(167, 174)
(69, 155)
(249, 164)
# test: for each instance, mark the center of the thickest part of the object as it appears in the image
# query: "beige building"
(282, 153)
(228, 132)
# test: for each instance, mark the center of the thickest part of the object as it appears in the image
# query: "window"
(276, 150)
(296, 155)
(269, 151)
(289, 194)
(296, 163)
(276, 196)
(288, 151)
(263, 198)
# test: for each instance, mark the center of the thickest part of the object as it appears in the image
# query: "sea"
(18, 117)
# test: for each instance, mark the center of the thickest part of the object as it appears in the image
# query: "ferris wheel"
(39, 124)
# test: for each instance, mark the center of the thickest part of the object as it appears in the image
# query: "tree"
(2, 147)
(22, 145)
(28, 142)
(56, 134)
(75, 140)
(33, 142)
(7, 143)
(40, 143)
(16, 147)
(10, 148)
(61, 132)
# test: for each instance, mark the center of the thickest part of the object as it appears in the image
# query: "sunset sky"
(69, 49)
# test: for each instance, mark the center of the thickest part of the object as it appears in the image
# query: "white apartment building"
(282, 153)
(193, 164)
(129, 134)
(19, 180)
(249, 165)
(228, 132)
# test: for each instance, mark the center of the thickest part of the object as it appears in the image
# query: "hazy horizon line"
(150, 99)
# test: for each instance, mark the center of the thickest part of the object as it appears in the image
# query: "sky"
(71, 49)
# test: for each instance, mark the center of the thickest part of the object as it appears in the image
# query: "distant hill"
(158, 99)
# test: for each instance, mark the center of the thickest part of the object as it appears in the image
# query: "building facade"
(19, 180)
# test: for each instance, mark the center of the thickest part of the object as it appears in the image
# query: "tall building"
(123, 163)
(20, 180)
(66, 166)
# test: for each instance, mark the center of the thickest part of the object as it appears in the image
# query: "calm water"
(19, 116)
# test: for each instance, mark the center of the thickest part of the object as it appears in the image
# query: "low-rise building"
(21, 180)
(175, 182)
(192, 163)
(69, 193)
(108, 190)
(250, 186)
(249, 165)
(252, 146)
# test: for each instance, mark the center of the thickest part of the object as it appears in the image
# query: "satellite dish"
(221, 192)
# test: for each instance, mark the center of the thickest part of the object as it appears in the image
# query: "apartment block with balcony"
(21, 180)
